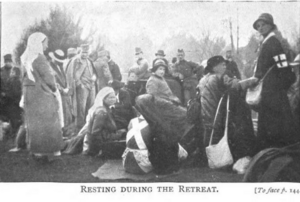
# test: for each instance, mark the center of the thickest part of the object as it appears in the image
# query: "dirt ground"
(20, 167)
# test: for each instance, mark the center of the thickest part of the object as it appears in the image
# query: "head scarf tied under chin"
(33, 49)
(99, 101)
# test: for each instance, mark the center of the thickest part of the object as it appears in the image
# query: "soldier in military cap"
(186, 72)
(141, 65)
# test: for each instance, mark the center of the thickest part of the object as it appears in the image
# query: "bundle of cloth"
(275, 165)
(138, 140)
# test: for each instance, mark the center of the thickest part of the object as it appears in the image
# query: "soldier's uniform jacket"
(186, 68)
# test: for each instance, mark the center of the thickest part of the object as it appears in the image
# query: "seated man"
(134, 87)
(122, 111)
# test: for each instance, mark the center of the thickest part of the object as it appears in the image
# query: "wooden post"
(231, 36)
(237, 34)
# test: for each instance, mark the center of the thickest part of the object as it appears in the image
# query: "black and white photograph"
(189, 98)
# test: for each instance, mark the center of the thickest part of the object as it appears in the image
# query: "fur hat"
(180, 51)
(85, 48)
(71, 51)
(7, 58)
(267, 18)
(138, 50)
(157, 63)
(103, 53)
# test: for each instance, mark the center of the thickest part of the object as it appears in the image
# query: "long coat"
(74, 71)
(276, 127)
(41, 109)
(240, 129)
(159, 87)
(114, 70)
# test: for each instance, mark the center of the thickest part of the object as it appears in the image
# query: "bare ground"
(20, 167)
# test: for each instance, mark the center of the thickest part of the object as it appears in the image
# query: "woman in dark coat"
(43, 124)
(213, 86)
(166, 118)
(276, 127)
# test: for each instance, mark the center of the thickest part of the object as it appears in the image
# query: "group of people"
(86, 94)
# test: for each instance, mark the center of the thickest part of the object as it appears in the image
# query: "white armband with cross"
(281, 61)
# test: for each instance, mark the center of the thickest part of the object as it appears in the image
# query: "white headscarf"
(33, 49)
(99, 101)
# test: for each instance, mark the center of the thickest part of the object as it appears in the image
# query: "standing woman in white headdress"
(41, 105)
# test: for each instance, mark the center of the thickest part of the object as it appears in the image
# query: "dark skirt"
(276, 127)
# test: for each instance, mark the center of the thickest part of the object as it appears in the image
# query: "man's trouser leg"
(82, 96)
(90, 99)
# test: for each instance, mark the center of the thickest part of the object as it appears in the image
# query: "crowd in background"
(78, 103)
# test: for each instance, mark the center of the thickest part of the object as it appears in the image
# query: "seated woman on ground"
(100, 127)
(166, 119)
(212, 87)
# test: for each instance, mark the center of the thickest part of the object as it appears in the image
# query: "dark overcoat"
(276, 127)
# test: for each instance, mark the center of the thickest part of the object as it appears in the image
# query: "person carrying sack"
(219, 154)
(275, 121)
(212, 87)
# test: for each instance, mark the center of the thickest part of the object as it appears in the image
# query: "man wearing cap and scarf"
(81, 78)
(56, 63)
(276, 127)
(186, 72)
(114, 68)
(104, 76)
(141, 65)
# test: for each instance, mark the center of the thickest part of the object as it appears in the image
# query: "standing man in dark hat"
(186, 72)
(160, 55)
(114, 68)
(81, 78)
(141, 65)
(231, 66)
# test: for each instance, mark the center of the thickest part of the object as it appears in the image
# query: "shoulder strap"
(268, 72)
(215, 119)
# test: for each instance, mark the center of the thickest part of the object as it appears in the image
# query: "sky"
(158, 20)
